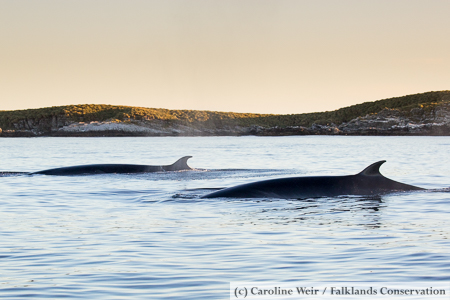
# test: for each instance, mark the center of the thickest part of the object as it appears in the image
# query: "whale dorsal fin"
(373, 169)
(180, 164)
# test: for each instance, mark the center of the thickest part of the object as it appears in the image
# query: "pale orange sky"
(227, 55)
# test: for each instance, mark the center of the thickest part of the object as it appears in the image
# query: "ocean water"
(151, 236)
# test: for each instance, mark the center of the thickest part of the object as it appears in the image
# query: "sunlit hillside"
(101, 113)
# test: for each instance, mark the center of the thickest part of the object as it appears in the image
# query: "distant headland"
(418, 114)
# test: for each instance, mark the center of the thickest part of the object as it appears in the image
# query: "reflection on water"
(7, 173)
(352, 211)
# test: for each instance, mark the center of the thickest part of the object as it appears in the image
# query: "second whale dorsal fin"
(373, 169)
(180, 164)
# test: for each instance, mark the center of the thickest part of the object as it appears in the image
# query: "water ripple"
(151, 236)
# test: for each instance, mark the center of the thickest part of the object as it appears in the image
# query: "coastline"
(369, 126)
(419, 114)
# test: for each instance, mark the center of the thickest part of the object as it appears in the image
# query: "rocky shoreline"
(417, 121)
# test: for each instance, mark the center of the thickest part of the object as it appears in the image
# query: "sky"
(259, 56)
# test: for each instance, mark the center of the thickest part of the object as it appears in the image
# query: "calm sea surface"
(150, 236)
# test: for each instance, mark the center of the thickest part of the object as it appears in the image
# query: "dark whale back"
(179, 165)
(368, 182)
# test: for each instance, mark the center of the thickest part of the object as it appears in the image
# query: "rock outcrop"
(417, 121)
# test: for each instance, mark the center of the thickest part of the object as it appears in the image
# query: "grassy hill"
(94, 112)
(91, 112)
(425, 100)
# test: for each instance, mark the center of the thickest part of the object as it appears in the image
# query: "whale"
(368, 182)
(179, 165)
